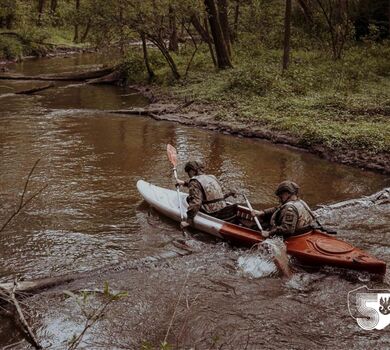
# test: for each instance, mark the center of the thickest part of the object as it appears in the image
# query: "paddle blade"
(172, 154)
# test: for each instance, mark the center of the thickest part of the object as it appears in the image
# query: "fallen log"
(31, 287)
(70, 76)
(111, 78)
(34, 90)
(25, 288)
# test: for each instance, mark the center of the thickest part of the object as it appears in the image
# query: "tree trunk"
(53, 6)
(86, 31)
(41, 7)
(388, 19)
(287, 35)
(204, 34)
(306, 10)
(76, 26)
(223, 57)
(224, 21)
(9, 21)
(173, 42)
(151, 74)
(159, 42)
(236, 17)
(210, 43)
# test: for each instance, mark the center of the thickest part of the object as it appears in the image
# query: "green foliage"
(254, 80)
(146, 345)
(10, 47)
(165, 346)
(133, 66)
(343, 104)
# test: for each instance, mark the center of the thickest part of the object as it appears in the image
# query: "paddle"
(172, 156)
(255, 218)
(280, 256)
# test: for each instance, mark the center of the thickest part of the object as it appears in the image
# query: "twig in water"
(23, 203)
(25, 327)
(10, 346)
(175, 310)
(92, 318)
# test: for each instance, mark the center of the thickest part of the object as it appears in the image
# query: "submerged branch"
(25, 326)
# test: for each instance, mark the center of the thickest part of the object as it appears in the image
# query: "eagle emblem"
(384, 307)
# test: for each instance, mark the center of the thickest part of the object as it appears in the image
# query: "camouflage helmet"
(287, 186)
(194, 165)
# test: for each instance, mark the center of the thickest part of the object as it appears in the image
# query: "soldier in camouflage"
(204, 193)
(292, 217)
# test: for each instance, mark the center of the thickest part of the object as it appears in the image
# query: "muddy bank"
(194, 113)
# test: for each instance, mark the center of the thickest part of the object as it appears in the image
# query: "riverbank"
(169, 107)
(16, 45)
(336, 110)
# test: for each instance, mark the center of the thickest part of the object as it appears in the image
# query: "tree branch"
(23, 203)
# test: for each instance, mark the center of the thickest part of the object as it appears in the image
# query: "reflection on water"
(91, 216)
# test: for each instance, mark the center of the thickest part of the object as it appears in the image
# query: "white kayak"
(166, 202)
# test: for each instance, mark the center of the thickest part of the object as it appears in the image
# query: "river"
(91, 216)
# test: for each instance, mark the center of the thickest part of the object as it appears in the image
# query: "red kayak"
(313, 248)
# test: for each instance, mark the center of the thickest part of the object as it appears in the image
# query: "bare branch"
(23, 203)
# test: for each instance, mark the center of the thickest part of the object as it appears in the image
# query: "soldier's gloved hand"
(257, 213)
(180, 182)
(266, 234)
(184, 225)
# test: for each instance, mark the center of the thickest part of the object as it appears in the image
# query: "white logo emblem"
(370, 307)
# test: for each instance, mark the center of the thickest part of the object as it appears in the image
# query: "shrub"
(10, 47)
(133, 66)
(250, 79)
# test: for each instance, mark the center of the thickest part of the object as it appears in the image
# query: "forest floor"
(337, 110)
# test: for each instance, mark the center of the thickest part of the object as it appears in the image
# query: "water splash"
(277, 249)
(265, 259)
(255, 266)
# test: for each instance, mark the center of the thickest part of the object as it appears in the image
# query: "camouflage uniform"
(292, 217)
(289, 218)
(205, 194)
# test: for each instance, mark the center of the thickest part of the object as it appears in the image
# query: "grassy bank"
(341, 105)
(16, 44)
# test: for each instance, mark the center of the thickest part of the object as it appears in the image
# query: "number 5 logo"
(370, 308)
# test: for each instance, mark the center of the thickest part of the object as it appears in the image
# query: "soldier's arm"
(269, 212)
(264, 213)
(194, 199)
(289, 219)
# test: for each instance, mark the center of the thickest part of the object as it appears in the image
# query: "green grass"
(342, 105)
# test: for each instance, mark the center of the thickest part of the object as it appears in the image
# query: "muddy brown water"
(195, 292)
